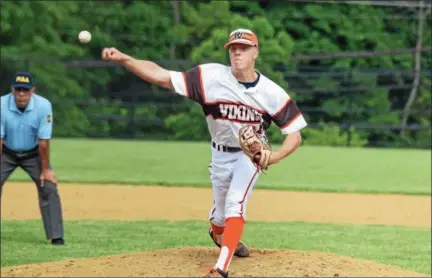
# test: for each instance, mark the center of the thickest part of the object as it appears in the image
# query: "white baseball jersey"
(228, 105)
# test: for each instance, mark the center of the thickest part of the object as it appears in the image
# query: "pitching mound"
(194, 262)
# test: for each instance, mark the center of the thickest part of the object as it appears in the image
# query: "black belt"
(225, 148)
(21, 154)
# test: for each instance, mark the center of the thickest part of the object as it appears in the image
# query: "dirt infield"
(138, 203)
(111, 202)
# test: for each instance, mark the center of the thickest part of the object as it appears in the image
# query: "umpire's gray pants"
(49, 199)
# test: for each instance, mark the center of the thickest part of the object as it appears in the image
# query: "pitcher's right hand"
(114, 55)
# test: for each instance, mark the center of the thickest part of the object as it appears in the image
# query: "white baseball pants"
(233, 177)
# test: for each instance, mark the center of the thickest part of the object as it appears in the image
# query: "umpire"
(26, 128)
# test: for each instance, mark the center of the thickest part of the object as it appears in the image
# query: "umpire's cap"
(23, 80)
(242, 36)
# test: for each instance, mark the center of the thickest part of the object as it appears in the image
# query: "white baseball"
(84, 36)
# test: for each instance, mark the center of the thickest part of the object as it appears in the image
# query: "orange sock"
(217, 232)
(233, 232)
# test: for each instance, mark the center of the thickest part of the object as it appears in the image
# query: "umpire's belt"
(22, 154)
(225, 148)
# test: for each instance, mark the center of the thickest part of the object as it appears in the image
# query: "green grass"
(23, 242)
(185, 164)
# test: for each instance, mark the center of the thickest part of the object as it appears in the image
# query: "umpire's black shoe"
(57, 241)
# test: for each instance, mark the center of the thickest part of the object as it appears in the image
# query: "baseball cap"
(23, 80)
(242, 36)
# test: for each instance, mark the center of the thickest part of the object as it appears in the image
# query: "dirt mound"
(194, 262)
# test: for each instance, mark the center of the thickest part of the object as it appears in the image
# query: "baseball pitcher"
(239, 104)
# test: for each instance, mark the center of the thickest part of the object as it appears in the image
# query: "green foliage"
(188, 125)
(47, 30)
(74, 123)
(331, 135)
(274, 135)
(217, 21)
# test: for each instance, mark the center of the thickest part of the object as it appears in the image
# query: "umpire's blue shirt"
(20, 131)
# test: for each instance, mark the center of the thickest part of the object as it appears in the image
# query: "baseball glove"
(255, 148)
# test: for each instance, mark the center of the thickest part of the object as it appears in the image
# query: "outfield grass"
(185, 164)
(23, 242)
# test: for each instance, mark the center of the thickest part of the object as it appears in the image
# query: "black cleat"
(57, 241)
(216, 272)
(242, 250)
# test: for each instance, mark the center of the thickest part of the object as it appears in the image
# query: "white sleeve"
(286, 114)
(178, 80)
(189, 84)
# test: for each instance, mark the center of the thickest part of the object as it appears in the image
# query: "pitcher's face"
(242, 56)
